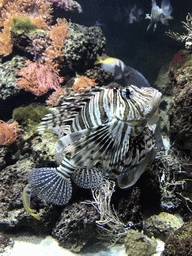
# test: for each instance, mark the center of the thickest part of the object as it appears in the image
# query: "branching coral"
(58, 35)
(82, 82)
(38, 11)
(8, 133)
(53, 99)
(187, 38)
(39, 78)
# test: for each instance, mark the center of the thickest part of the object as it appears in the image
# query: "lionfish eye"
(127, 93)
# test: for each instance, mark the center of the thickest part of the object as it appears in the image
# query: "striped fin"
(62, 117)
(47, 183)
(130, 176)
(87, 147)
(88, 178)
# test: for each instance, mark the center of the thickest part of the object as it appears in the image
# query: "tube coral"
(38, 11)
(39, 78)
(57, 33)
(82, 82)
(8, 133)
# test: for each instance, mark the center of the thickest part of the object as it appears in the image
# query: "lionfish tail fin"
(50, 185)
(88, 178)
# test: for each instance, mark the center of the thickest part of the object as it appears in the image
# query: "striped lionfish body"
(103, 132)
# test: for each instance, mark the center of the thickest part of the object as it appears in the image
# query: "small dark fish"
(130, 76)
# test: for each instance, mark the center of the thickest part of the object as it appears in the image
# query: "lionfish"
(103, 133)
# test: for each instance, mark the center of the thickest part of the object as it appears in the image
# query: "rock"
(5, 243)
(180, 242)
(76, 226)
(160, 226)
(181, 112)
(138, 244)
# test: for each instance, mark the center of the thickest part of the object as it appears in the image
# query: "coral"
(161, 225)
(178, 61)
(38, 11)
(8, 79)
(29, 115)
(181, 110)
(139, 244)
(180, 242)
(67, 5)
(173, 173)
(129, 209)
(34, 43)
(53, 99)
(187, 38)
(82, 46)
(20, 26)
(82, 82)
(58, 34)
(39, 78)
(12, 214)
(4, 243)
(8, 133)
(100, 75)
(76, 226)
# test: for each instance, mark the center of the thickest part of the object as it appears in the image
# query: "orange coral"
(2, 3)
(39, 78)
(58, 34)
(53, 99)
(8, 133)
(39, 11)
(82, 82)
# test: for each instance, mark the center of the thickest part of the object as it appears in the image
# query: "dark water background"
(146, 51)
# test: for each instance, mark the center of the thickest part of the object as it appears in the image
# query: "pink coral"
(39, 78)
(53, 99)
(82, 82)
(8, 133)
(38, 11)
(179, 58)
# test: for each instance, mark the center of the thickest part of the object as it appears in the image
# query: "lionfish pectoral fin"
(50, 185)
(86, 146)
(27, 200)
(67, 140)
(88, 178)
(130, 176)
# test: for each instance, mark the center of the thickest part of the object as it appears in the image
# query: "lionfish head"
(140, 103)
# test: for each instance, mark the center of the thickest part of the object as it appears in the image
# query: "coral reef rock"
(180, 242)
(76, 226)
(138, 244)
(181, 110)
(161, 225)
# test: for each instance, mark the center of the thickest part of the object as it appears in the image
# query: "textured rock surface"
(8, 77)
(82, 46)
(138, 244)
(76, 226)
(161, 225)
(181, 110)
(180, 242)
